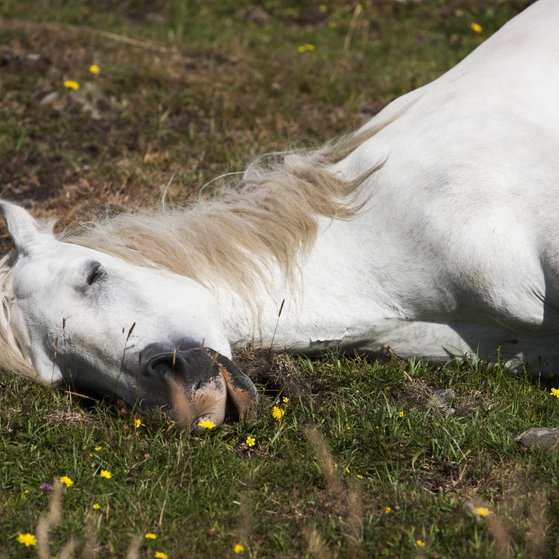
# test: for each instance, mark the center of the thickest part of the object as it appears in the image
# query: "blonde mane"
(268, 219)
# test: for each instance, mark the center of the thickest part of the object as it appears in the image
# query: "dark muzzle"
(203, 387)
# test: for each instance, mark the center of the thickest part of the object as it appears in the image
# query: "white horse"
(433, 231)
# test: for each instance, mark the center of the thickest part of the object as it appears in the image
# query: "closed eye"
(95, 273)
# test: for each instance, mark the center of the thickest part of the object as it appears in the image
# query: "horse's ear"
(25, 231)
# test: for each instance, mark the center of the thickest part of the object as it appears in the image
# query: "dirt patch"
(423, 396)
(277, 372)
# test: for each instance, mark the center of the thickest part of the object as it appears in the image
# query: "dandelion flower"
(476, 27)
(160, 555)
(420, 543)
(555, 392)
(482, 511)
(239, 548)
(277, 413)
(66, 481)
(71, 84)
(27, 539)
(359, 476)
(98, 448)
(387, 510)
(96, 506)
(105, 474)
(138, 423)
(150, 536)
(307, 47)
(206, 424)
(347, 470)
(250, 441)
(402, 413)
(94, 69)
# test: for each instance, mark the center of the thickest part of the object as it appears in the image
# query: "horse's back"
(469, 192)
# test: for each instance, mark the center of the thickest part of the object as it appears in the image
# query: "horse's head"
(101, 324)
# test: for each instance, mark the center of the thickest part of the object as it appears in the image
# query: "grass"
(362, 464)
(320, 477)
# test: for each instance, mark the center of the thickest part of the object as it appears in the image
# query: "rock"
(440, 400)
(540, 437)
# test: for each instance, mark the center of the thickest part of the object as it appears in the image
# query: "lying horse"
(432, 231)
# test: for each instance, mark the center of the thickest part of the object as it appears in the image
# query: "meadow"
(111, 106)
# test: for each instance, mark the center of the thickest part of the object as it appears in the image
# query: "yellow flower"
(27, 539)
(94, 69)
(239, 548)
(285, 399)
(306, 47)
(138, 423)
(206, 424)
(250, 441)
(98, 448)
(420, 543)
(105, 474)
(402, 413)
(347, 470)
(160, 555)
(71, 84)
(482, 511)
(476, 27)
(359, 476)
(387, 510)
(555, 392)
(96, 506)
(66, 481)
(150, 536)
(277, 413)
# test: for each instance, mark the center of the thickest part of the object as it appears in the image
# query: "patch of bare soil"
(423, 396)
(277, 372)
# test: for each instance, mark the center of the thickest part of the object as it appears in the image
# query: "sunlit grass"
(343, 471)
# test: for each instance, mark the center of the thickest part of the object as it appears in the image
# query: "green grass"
(201, 89)
(202, 494)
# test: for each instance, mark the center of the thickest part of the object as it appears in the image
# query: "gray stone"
(539, 437)
(440, 400)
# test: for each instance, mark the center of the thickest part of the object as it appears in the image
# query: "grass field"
(365, 460)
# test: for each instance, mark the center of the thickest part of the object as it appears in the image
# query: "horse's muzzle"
(204, 387)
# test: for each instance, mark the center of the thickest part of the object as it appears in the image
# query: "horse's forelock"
(11, 355)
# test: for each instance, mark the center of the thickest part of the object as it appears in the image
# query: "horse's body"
(432, 231)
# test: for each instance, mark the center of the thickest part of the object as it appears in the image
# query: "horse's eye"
(95, 273)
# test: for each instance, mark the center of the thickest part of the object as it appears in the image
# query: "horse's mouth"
(205, 388)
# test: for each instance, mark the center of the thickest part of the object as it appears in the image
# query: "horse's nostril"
(159, 366)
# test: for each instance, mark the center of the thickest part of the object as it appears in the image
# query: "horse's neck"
(324, 306)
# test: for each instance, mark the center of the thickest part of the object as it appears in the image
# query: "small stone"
(440, 400)
(539, 437)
